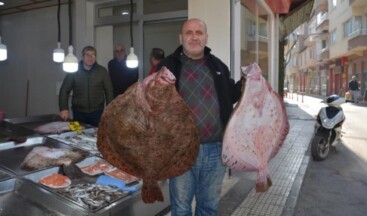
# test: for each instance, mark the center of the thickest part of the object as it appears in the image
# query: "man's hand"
(64, 114)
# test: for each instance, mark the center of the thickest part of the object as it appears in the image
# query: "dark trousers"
(91, 118)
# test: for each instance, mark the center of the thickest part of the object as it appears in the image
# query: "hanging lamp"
(132, 59)
(3, 51)
(70, 64)
(58, 54)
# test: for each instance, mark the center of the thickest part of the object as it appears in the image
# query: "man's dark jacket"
(353, 85)
(91, 89)
(121, 76)
(228, 92)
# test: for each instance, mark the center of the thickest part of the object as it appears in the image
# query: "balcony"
(321, 5)
(324, 54)
(311, 40)
(358, 40)
(323, 24)
(322, 17)
(311, 63)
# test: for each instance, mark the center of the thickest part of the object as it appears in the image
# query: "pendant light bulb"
(132, 59)
(3, 52)
(58, 54)
(70, 64)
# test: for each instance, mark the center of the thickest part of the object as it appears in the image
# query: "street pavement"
(337, 186)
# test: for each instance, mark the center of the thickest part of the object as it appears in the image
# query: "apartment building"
(331, 48)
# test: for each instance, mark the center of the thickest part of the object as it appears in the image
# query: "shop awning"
(292, 13)
(279, 6)
(299, 12)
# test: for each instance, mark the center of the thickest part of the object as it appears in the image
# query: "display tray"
(12, 154)
(15, 200)
(28, 142)
(32, 122)
(5, 175)
(9, 131)
(86, 140)
(92, 160)
(109, 198)
(4, 134)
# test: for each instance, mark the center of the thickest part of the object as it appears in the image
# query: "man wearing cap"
(354, 88)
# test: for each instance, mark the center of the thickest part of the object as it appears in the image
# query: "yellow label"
(75, 126)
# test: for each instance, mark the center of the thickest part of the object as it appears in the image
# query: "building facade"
(331, 48)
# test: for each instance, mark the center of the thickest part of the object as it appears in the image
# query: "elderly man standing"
(353, 88)
(121, 76)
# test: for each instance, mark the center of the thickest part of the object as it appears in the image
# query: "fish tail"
(151, 192)
(263, 181)
(263, 186)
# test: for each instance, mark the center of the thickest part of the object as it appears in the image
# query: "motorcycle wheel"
(319, 148)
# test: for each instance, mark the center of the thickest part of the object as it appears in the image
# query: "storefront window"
(149, 7)
(115, 11)
(254, 37)
(154, 6)
(156, 23)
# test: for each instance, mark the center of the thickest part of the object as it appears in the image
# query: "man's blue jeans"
(204, 181)
(91, 118)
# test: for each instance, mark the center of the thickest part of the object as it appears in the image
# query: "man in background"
(353, 88)
(156, 56)
(121, 76)
(92, 90)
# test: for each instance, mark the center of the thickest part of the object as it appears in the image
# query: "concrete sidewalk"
(286, 169)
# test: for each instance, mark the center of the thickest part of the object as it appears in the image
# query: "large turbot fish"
(149, 132)
(256, 129)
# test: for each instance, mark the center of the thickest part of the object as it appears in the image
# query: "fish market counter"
(34, 200)
(24, 189)
(38, 201)
(10, 132)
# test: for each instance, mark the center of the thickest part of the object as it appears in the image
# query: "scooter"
(328, 128)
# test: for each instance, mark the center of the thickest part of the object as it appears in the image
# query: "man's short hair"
(158, 53)
(89, 48)
(353, 77)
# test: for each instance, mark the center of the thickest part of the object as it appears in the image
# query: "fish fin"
(151, 191)
(72, 171)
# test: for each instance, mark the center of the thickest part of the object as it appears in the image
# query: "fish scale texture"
(149, 132)
(257, 128)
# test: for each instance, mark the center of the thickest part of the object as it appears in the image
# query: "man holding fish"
(203, 81)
